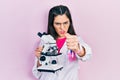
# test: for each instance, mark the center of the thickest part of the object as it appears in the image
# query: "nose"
(62, 26)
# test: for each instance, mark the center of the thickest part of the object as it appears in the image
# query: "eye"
(57, 23)
(65, 23)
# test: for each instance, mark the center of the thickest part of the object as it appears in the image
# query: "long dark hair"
(55, 11)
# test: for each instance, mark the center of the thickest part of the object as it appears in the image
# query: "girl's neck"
(60, 37)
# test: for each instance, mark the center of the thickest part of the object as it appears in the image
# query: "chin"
(62, 36)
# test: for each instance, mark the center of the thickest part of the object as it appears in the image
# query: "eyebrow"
(61, 23)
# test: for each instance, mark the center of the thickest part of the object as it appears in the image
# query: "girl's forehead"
(61, 18)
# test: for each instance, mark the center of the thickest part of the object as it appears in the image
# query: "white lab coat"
(70, 69)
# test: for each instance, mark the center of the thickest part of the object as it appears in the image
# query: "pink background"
(97, 21)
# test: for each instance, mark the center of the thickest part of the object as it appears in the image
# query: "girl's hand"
(72, 42)
(38, 54)
(38, 51)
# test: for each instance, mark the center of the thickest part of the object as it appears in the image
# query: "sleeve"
(35, 72)
(87, 50)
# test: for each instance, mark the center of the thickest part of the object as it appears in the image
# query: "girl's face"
(61, 24)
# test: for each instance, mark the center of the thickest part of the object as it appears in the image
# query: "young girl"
(72, 47)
